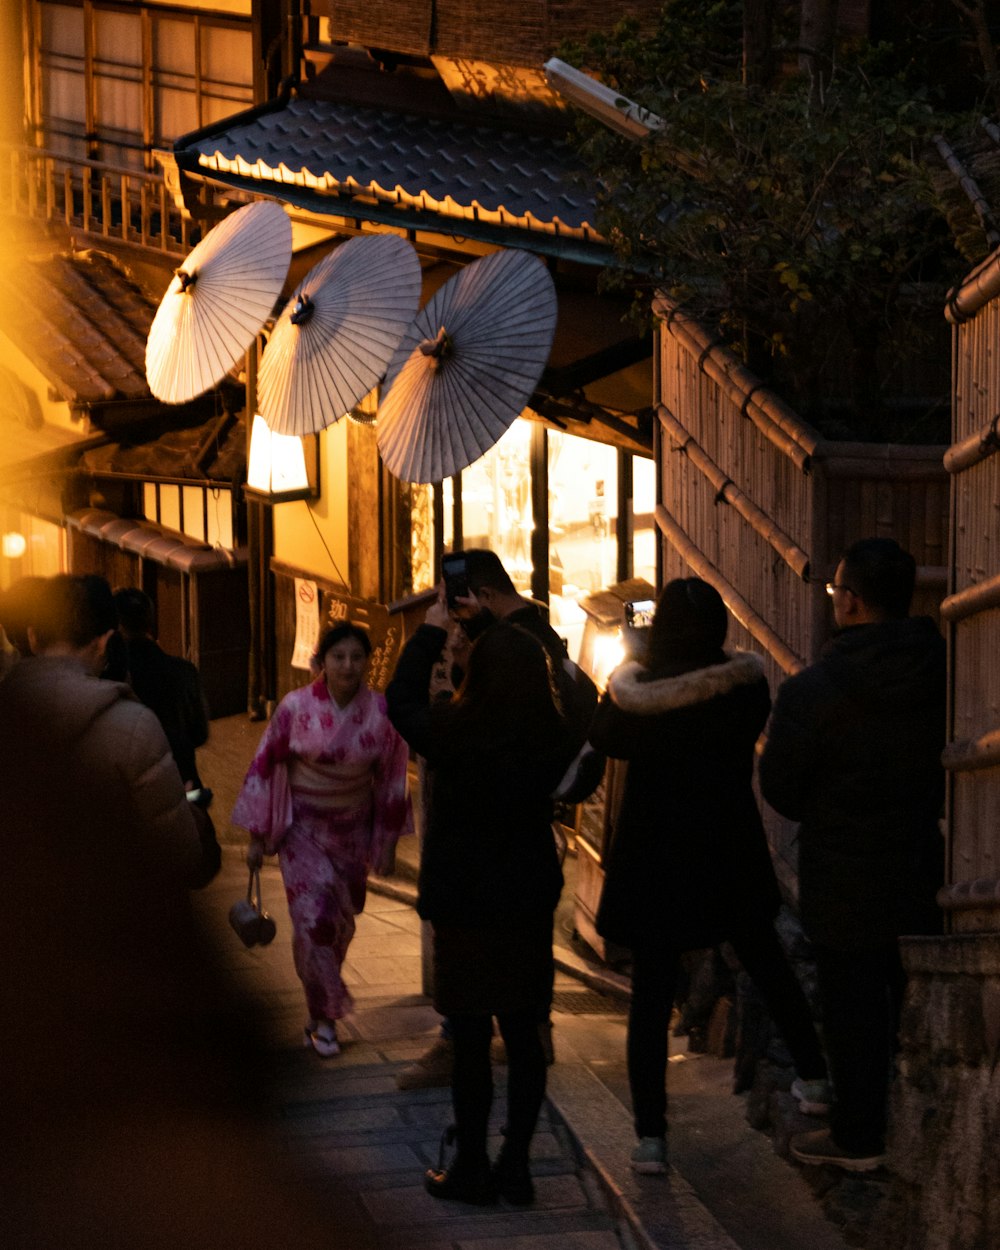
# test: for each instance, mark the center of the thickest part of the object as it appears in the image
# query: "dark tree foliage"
(801, 222)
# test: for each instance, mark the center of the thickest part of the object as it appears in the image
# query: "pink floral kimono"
(326, 792)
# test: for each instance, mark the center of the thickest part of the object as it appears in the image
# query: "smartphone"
(456, 581)
(639, 614)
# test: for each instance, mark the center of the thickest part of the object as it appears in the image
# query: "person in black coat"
(689, 865)
(167, 684)
(489, 879)
(171, 688)
(854, 754)
(491, 598)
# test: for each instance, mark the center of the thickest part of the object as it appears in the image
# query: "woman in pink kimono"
(326, 792)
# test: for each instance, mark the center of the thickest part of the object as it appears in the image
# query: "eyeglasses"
(832, 586)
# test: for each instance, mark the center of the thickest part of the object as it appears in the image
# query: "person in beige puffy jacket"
(78, 753)
(131, 1075)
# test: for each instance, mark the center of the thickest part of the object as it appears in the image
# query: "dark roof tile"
(454, 168)
(83, 320)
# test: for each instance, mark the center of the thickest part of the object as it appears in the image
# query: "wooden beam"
(600, 364)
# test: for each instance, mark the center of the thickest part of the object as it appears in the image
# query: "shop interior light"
(279, 467)
(13, 545)
(610, 107)
(609, 652)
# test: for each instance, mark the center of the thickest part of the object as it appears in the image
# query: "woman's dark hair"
(689, 627)
(508, 689)
(337, 633)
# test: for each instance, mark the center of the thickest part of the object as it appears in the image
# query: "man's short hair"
(483, 568)
(136, 611)
(74, 609)
(882, 574)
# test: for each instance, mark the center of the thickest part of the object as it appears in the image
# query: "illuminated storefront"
(597, 519)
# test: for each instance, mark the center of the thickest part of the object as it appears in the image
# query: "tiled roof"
(83, 321)
(154, 542)
(466, 174)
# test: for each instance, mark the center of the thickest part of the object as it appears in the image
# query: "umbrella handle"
(438, 348)
(303, 310)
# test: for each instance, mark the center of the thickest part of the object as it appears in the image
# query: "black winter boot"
(468, 1178)
(513, 1177)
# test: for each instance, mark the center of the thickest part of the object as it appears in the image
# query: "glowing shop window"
(422, 537)
(219, 532)
(170, 507)
(644, 537)
(448, 522)
(150, 508)
(583, 510)
(194, 512)
(496, 503)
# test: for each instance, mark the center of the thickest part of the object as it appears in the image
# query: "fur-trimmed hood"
(666, 694)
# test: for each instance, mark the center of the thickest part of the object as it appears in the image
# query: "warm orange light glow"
(13, 545)
(609, 651)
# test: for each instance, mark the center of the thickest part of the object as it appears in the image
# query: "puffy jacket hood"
(58, 693)
(632, 691)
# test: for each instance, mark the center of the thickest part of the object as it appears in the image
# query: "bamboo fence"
(972, 609)
(755, 501)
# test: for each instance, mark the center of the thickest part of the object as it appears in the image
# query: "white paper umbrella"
(467, 366)
(217, 301)
(332, 343)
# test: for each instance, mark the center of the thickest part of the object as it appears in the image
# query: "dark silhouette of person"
(132, 1081)
(167, 684)
(689, 865)
(854, 754)
(489, 880)
(171, 688)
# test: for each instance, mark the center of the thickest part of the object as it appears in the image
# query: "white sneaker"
(650, 1156)
(813, 1097)
(819, 1147)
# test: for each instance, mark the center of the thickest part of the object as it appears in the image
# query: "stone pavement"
(344, 1119)
(365, 1142)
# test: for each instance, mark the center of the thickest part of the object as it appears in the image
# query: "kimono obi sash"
(329, 785)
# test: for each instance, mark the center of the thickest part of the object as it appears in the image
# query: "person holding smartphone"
(689, 866)
(490, 596)
(489, 880)
(478, 592)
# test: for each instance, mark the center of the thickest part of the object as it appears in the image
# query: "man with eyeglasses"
(854, 753)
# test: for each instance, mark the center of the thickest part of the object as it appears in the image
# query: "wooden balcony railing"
(105, 201)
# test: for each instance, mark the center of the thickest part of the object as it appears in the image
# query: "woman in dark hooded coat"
(689, 865)
(489, 879)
